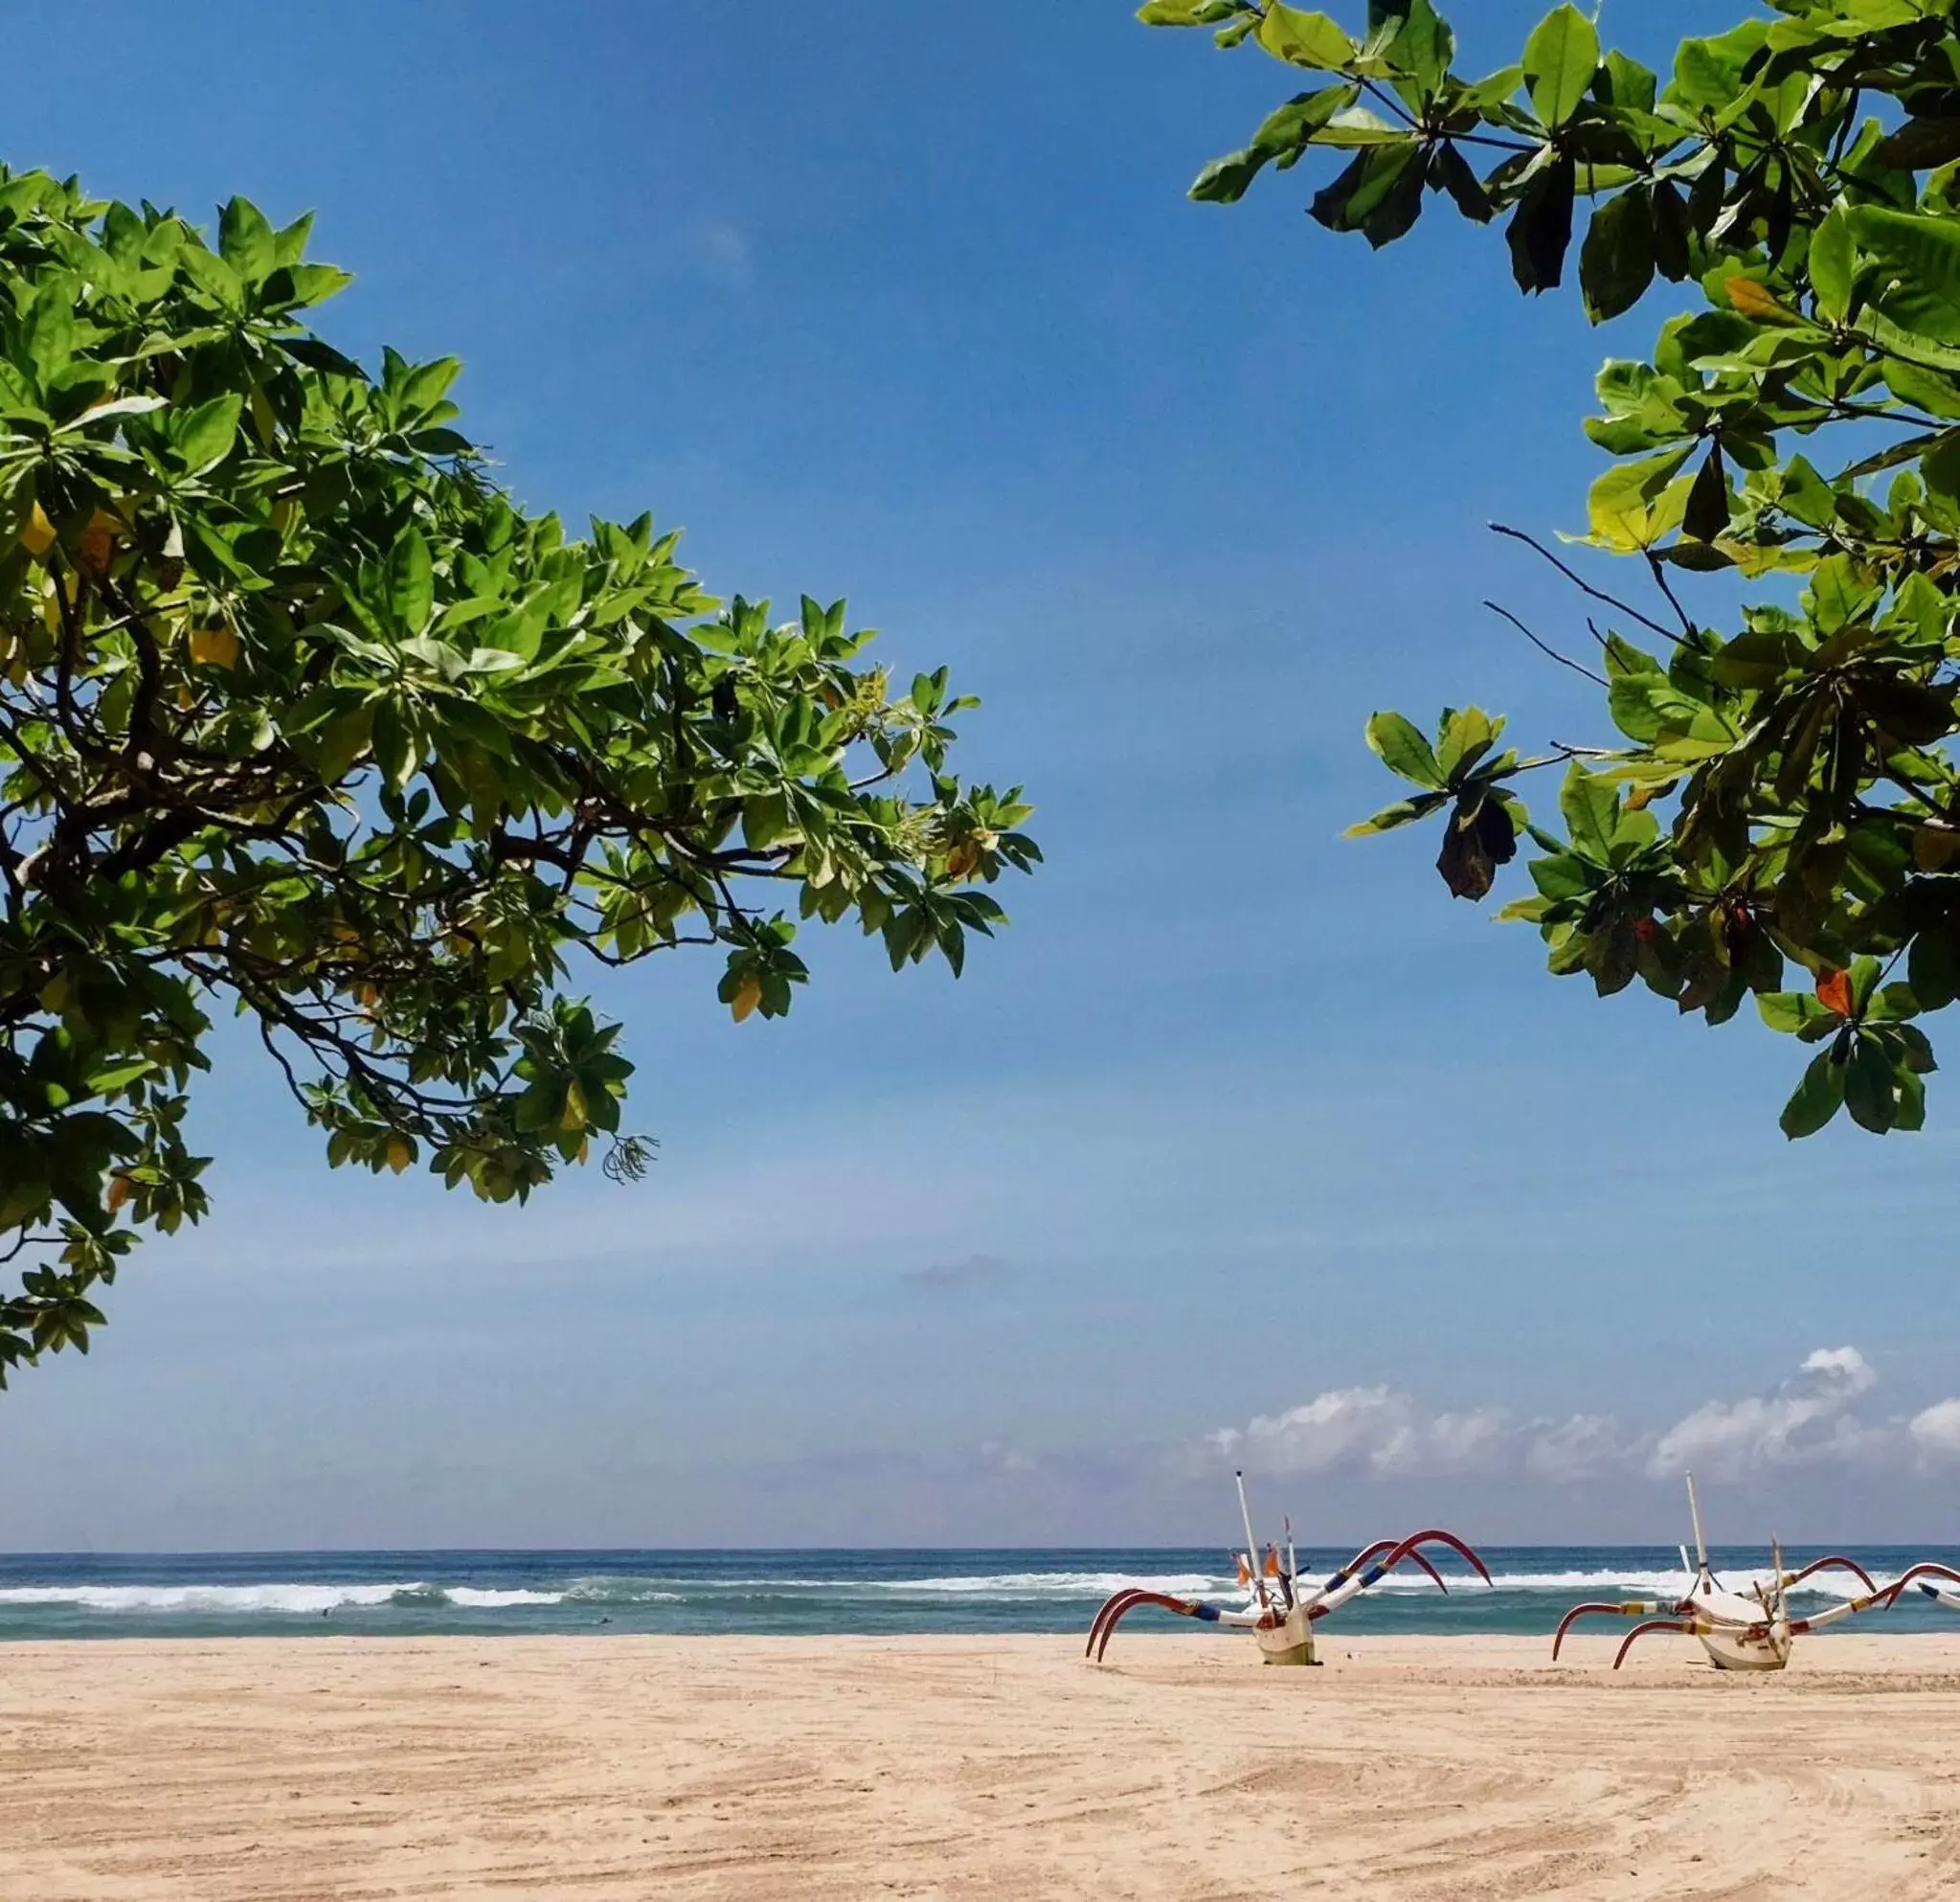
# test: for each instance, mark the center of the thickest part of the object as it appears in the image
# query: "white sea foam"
(1407, 1578)
(1053, 1584)
(1645, 1584)
(474, 1597)
(297, 1599)
(622, 1591)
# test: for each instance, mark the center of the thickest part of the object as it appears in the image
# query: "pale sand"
(685, 1769)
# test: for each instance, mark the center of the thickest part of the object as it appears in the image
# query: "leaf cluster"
(301, 714)
(1783, 793)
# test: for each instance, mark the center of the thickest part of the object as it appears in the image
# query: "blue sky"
(910, 307)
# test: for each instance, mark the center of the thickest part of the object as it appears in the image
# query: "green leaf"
(1563, 875)
(49, 333)
(411, 582)
(1868, 1089)
(1616, 261)
(1185, 13)
(1591, 809)
(1403, 812)
(1559, 59)
(1540, 229)
(246, 242)
(1632, 505)
(1914, 263)
(1464, 738)
(1708, 73)
(1816, 1099)
(1423, 46)
(1384, 180)
(1910, 1112)
(1403, 750)
(1932, 968)
(1833, 265)
(203, 437)
(1791, 1010)
(1304, 39)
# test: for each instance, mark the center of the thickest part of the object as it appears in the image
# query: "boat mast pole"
(1701, 1543)
(1251, 1550)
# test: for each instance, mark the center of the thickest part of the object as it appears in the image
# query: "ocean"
(886, 1592)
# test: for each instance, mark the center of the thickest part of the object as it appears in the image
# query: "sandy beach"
(704, 1767)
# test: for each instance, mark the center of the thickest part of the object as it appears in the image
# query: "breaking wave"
(310, 1600)
(296, 1599)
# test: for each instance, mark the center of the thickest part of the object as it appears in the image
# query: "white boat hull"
(1730, 1651)
(1290, 1641)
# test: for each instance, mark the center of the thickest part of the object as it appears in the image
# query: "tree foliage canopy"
(300, 714)
(1782, 794)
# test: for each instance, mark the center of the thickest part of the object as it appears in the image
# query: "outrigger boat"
(1283, 1610)
(1750, 1629)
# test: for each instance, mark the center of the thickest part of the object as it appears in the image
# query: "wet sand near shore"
(693, 1768)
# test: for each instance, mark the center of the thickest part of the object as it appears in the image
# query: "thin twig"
(1544, 647)
(1660, 581)
(1584, 586)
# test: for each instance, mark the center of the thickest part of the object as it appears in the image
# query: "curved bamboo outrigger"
(1283, 1611)
(1917, 1574)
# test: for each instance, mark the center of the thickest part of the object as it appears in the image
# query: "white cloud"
(1805, 1420)
(1845, 1363)
(1936, 1432)
(1380, 1431)
(1816, 1417)
(1579, 1448)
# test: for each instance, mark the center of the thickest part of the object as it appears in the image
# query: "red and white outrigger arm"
(1749, 1630)
(1917, 1574)
(1283, 1611)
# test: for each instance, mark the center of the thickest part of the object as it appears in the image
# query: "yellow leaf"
(574, 1107)
(1747, 296)
(214, 646)
(748, 997)
(37, 534)
(401, 1152)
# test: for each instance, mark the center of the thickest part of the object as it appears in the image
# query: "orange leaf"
(1833, 991)
(748, 997)
(1747, 296)
(97, 542)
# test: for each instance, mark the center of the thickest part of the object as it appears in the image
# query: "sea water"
(882, 1593)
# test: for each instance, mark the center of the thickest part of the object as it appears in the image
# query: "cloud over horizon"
(1816, 1417)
